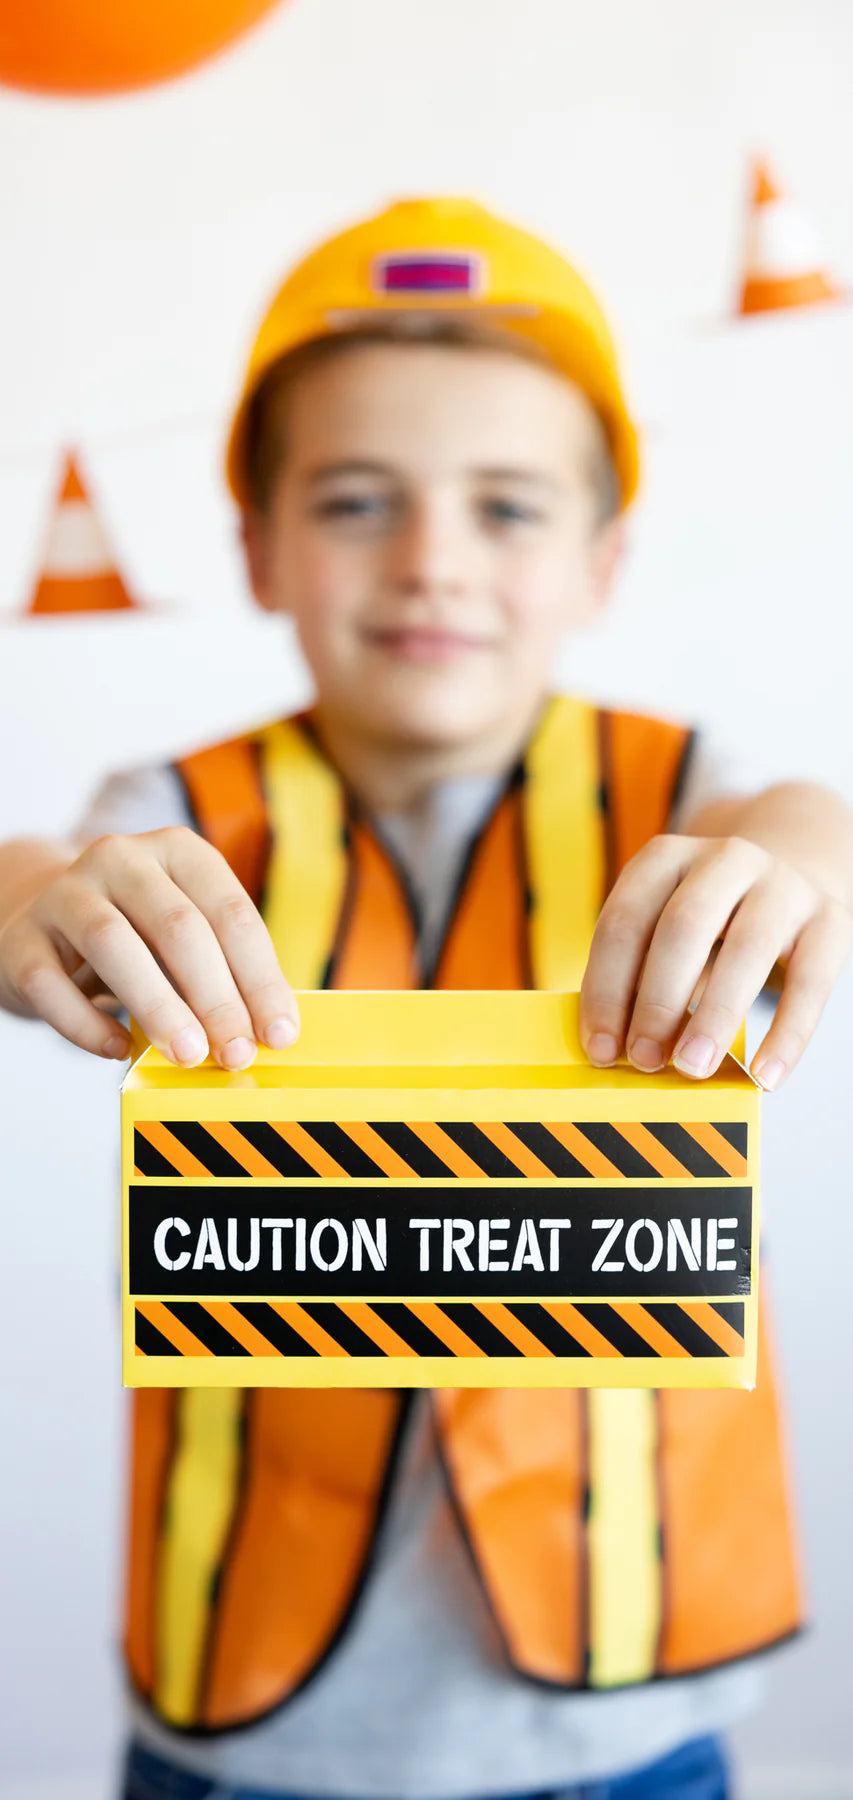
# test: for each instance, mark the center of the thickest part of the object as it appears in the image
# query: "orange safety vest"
(619, 1535)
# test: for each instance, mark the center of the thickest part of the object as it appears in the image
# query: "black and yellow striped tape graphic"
(439, 1151)
(217, 1328)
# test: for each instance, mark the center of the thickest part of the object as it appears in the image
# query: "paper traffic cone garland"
(783, 261)
(79, 573)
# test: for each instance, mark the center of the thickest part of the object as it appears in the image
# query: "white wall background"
(138, 240)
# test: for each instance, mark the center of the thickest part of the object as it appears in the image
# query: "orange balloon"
(105, 46)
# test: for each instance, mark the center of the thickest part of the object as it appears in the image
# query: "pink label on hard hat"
(427, 272)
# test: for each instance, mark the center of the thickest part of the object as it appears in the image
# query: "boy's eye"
(497, 511)
(352, 506)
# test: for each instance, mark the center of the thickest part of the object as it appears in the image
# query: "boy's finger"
(206, 879)
(690, 925)
(621, 940)
(184, 941)
(100, 933)
(39, 980)
(814, 966)
(760, 931)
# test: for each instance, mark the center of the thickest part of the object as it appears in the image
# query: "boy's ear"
(255, 539)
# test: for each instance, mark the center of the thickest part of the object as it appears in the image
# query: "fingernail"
(602, 1049)
(190, 1046)
(117, 1048)
(646, 1055)
(770, 1073)
(695, 1055)
(238, 1053)
(281, 1033)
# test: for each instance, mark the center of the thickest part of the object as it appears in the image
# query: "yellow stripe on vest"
(307, 870)
(566, 858)
(200, 1503)
(624, 1552)
(565, 846)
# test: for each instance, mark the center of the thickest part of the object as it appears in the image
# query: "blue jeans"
(695, 1772)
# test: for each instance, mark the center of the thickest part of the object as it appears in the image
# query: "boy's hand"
(159, 924)
(675, 905)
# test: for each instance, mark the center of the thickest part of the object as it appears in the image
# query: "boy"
(432, 455)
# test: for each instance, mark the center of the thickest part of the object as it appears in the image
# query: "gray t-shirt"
(417, 1701)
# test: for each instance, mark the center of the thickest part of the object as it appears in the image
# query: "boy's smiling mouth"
(426, 643)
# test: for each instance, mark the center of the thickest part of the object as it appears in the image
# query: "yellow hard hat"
(445, 255)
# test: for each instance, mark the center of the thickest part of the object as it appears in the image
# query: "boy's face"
(433, 531)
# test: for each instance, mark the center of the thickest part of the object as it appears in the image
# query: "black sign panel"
(421, 1242)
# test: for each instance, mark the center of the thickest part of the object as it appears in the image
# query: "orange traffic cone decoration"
(783, 261)
(79, 573)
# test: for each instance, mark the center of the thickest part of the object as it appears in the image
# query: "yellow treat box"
(438, 1190)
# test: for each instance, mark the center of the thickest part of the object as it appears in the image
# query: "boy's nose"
(427, 554)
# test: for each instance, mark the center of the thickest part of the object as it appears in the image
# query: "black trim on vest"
(663, 1561)
(685, 764)
(261, 895)
(348, 899)
(584, 1576)
(519, 782)
(604, 743)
